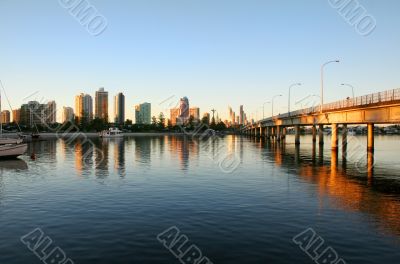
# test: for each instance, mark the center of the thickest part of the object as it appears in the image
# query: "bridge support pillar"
(267, 132)
(334, 141)
(273, 131)
(257, 131)
(314, 133)
(321, 134)
(344, 136)
(284, 131)
(297, 135)
(262, 132)
(278, 133)
(371, 141)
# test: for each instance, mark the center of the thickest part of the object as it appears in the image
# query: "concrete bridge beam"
(262, 132)
(371, 140)
(321, 134)
(284, 132)
(314, 133)
(278, 133)
(334, 141)
(273, 131)
(344, 136)
(297, 135)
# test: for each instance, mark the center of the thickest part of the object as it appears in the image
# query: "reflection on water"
(13, 164)
(350, 186)
(105, 200)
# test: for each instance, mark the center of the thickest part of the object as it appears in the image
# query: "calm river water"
(239, 200)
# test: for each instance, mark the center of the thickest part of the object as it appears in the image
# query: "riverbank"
(44, 136)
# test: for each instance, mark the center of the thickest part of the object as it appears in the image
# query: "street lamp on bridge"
(322, 81)
(290, 88)
(273, 98)
(349, 85)
(268, 102)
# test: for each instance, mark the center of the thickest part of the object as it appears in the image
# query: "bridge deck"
(378, 108)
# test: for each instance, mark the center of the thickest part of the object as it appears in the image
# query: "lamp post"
(290, 88)
(322, 80)
(273, 98)
(268, 102)
(349, 85)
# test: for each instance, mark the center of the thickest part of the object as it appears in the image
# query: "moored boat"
(9, 151)
(10, 147)
(112, 132)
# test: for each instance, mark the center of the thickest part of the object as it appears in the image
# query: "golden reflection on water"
(343, 190)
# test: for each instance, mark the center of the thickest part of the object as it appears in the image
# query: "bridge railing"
(381, 97)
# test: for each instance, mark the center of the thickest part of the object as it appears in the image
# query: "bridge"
(372, 109)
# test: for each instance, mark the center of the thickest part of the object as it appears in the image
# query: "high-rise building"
(143, 114)
(101, 104)
(51, 112)
(119, 108)
(206, 117)
(241, 116)
(195, 113)
(17, 116)
(34, 113)
(68, 114)
(5, 117)
(174, 115)
(84, 107)
(184, 110)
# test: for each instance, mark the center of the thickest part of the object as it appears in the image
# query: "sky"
(217, 53)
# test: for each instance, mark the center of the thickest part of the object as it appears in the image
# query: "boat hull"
(12, 151)
(114, 136)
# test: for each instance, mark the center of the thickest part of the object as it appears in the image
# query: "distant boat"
(35, 135)
(112, 132)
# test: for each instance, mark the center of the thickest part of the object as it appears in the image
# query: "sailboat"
(10, 147)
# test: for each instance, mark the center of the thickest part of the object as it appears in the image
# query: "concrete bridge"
(377, 108)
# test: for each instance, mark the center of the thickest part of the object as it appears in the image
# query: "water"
(109, 206)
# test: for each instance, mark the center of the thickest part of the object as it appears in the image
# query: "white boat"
(5, 141)
(112, 132)
(10, 147)
(12, 150)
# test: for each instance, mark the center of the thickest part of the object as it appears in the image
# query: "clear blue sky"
(217, 53)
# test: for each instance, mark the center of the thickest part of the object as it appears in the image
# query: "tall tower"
(143, 114)
(101, 104)
(184, 109)
(119, 108)
(51, 112)
(241, 116)
(84, 107)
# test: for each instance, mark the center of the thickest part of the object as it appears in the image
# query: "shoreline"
(51, 135)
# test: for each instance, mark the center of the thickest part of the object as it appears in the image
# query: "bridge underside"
(275, 128)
